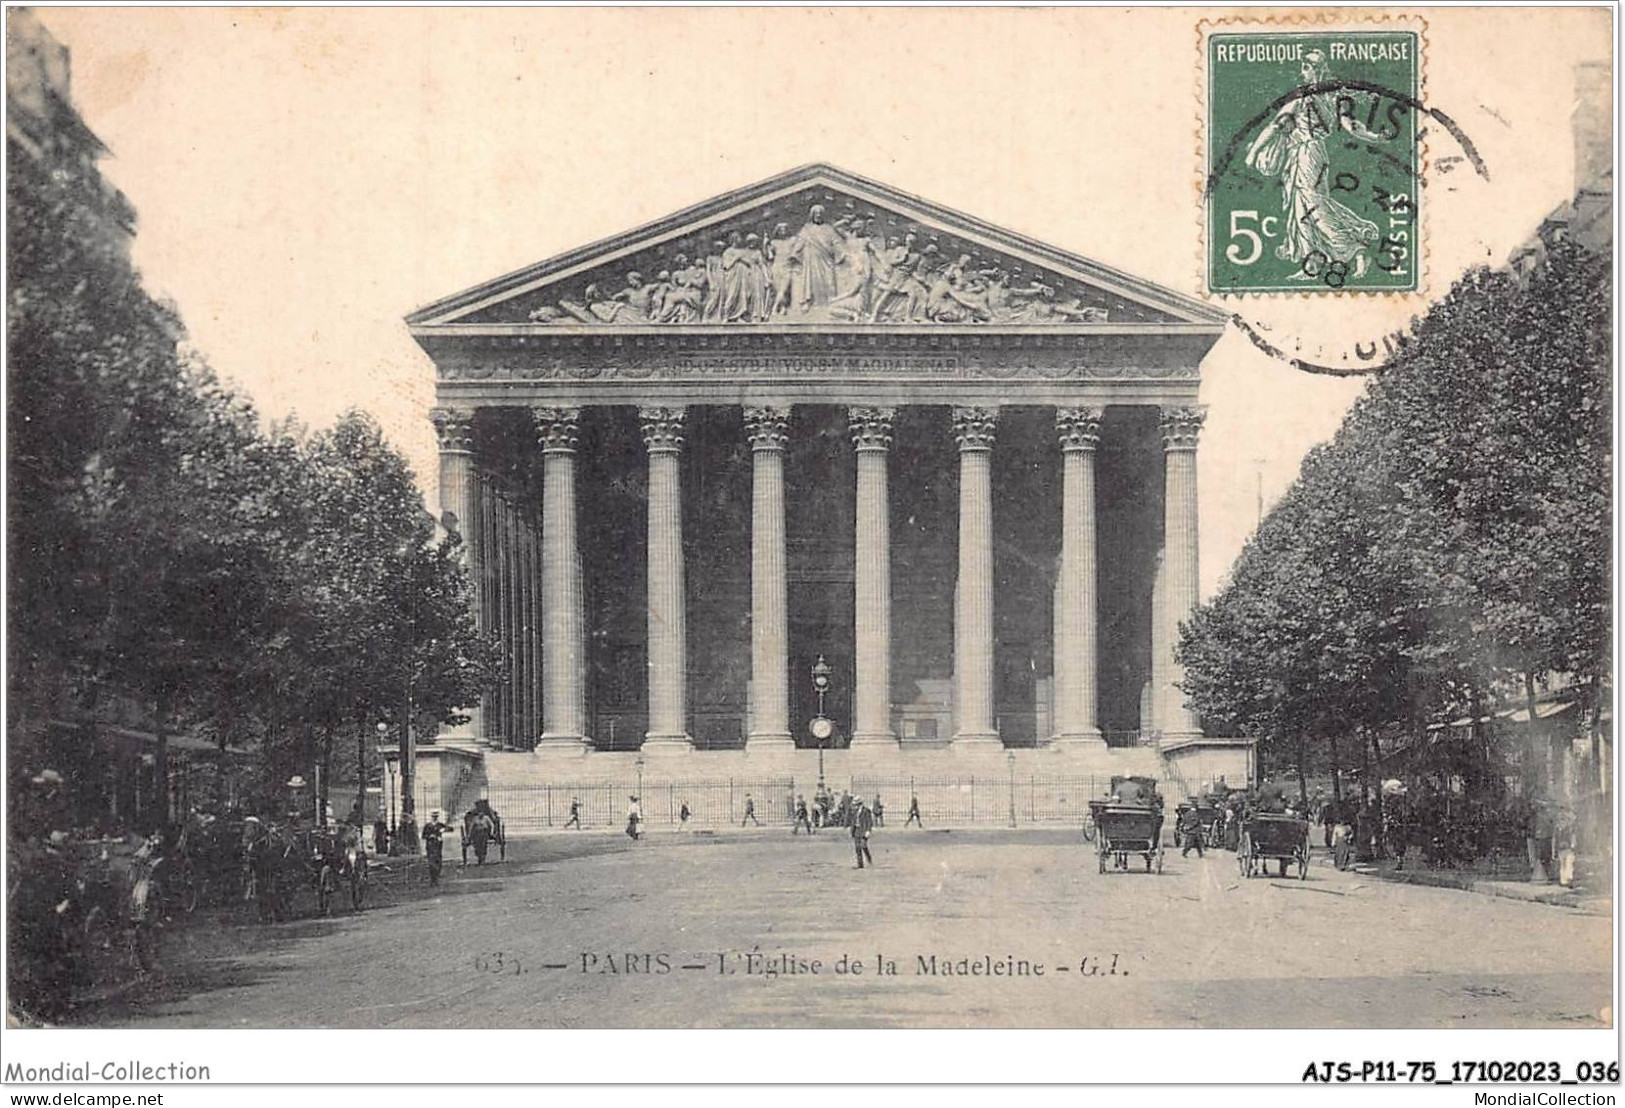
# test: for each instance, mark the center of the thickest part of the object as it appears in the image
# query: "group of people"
(847, 269)
(481, 826)
(831, 810)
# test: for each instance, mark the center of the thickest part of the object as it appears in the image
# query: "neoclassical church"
(820, 421)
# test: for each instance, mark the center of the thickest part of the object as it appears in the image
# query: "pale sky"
(305, 178)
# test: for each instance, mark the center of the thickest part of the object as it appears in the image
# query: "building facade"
(820, 419)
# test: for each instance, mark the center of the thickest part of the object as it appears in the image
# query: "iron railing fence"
(992, 799)
(985, 798)
(717, 802)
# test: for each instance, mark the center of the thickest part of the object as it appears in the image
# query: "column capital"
(662, 429)
(974, 427)
(1078, 428)
(557, 429)
(767, 428)
(1181, 426)
(455, 426)
(871, 427)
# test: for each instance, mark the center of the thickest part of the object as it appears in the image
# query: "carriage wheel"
(1303, 863)
(145, 941)
(97, 949)
(187, 897)
(1100, 854)
(325, 888)
(1159, 859)
(358, 885)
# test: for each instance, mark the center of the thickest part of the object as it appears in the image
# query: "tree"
(1453, 535)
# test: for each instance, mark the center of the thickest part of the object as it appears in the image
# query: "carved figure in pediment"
(685, 297)
(814, 254)
(779, 267)
(959, 294)
(854, 273)
(996, 294)
(903, 295)
(631, 305)
(658, 290)
(746, 286)
(711, 310)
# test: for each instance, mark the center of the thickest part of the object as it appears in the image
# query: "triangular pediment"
(814, 247)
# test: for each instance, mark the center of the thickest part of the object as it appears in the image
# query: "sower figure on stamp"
(1292, 149)
(863, 822)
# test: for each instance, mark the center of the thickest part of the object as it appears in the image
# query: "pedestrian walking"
(634, 818)
(750, 812)
(863, 822)
(801, 819)
(914, 812)
(880, 812)
(434, 837)
(575, 814)
(682, 816)
(1188, 829)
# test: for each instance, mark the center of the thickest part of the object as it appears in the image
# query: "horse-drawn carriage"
(1266, 837)
(123, 894)
(482, 828)
(1130, 822)
(283, 861)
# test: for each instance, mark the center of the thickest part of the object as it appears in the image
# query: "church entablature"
(814, 281)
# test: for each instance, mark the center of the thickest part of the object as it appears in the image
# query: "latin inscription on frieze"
(682, 366)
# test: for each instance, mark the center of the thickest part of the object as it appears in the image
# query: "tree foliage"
(167, 551)
(1452, 539)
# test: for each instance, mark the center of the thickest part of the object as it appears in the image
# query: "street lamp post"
(383, 729)
(1010, 760)
(821, 727)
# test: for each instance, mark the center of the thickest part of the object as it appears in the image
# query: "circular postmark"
(1314, 183)
(1314, 160)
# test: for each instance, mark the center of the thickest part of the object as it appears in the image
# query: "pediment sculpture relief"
(854, 268)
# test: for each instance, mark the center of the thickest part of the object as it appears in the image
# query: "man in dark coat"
(1189, 830)
(863, 822)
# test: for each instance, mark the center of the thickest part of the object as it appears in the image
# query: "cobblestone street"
(592, 930)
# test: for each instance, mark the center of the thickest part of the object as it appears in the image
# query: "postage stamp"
(1314, 160)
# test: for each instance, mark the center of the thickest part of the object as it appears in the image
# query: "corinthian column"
(973, 598)
(871, 709)
(1180, 428)
(668, 621)
(491, 700)
(1075, 607)
(769, 634)
(459, 498)
(527, 619)
(564, 701)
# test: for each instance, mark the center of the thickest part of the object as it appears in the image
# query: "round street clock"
(821, 728)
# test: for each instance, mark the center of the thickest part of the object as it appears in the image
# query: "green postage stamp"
(1314, 159)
